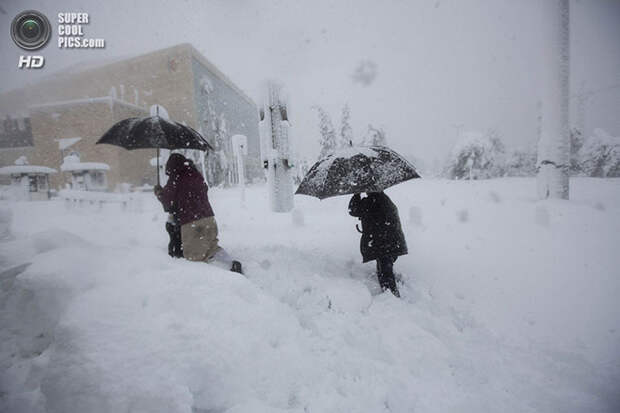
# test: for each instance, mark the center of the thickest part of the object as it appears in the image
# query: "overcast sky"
(439, 63)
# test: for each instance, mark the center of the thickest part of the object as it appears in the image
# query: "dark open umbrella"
(154, 132)
(354, 170)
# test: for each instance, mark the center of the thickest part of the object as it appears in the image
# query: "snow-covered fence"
(127, 201)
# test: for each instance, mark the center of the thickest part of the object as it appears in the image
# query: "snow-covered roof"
(84, 166)
(101, 99)
(26, 169)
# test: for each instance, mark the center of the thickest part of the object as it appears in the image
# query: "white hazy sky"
(440, 63)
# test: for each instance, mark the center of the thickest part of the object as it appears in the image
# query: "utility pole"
(554, 144)
(275, 148)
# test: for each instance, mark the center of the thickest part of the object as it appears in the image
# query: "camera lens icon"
(31, 30)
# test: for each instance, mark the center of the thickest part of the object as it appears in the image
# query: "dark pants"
(175, 246)
(385, 274)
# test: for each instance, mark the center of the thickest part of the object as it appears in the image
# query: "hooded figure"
(382, 236)
(185, 194)
(185, 197)
(173, 226)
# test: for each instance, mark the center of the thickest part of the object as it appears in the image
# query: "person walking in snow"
(382, 236)
(185, 196)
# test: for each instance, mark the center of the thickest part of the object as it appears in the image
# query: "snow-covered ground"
(509, 305)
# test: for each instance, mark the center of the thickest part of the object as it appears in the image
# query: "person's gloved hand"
(157, 189)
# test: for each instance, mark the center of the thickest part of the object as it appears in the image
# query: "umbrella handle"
(158, 166)
(358, 229)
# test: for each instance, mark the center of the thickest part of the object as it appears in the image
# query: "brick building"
(83, 102)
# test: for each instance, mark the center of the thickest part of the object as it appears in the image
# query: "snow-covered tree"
(374, 137)
(476, 156)
(554, 145)
(328, 134)
(600, 155)
(521, 163)
(346, 132)
(495, 138)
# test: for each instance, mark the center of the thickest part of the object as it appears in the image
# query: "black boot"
(385, 274)
(236, 267)
(175, 246)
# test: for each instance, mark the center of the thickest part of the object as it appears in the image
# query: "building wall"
(15, 132)
(88, 120)
(163, 77)
(222, 111)
(73, 103)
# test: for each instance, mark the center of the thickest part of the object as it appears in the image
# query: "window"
(78, 182)
(97, 178)
(42, 183)
(32, 183)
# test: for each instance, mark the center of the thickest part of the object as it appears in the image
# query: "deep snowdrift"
(509, 304)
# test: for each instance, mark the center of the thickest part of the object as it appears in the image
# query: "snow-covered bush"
(477, 156)
(521, 163)
(600, 155)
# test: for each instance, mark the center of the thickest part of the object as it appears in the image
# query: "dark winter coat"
(382, 235)
(185, 194)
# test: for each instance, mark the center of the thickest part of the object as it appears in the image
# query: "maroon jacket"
(185, 194)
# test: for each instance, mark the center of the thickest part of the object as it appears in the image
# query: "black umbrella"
(154, 132)
(354, 170)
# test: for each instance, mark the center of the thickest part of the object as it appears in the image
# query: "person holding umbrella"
(185, 194)
(173, 228)
(354, 170)
(382, 236)
(186, 197)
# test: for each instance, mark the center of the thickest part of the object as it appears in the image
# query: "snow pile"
(25, 169)
(498, 313)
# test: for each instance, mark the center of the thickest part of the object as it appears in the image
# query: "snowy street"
(509, 304)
